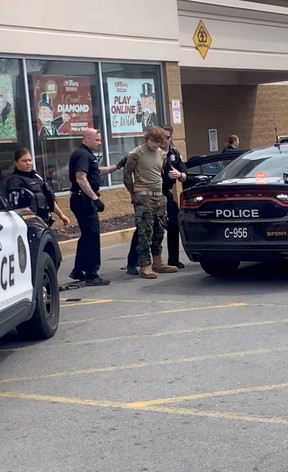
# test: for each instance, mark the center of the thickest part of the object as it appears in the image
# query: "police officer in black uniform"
(85, 203)
(24, 176)
(233, 143)
(173, 161)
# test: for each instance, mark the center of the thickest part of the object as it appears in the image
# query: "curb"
(106, 239)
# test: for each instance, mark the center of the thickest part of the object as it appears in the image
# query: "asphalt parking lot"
(183, 373)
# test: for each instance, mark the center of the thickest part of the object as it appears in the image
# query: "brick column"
(173, 90)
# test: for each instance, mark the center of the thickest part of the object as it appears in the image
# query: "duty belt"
(149, 192)
(80, 192)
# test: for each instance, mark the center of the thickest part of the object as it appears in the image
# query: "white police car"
(29, 260)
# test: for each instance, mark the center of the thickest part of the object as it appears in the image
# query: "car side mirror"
(22, 198)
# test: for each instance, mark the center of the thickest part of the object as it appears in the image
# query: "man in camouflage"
(143, 179)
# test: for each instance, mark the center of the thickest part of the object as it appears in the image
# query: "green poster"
(7, 110)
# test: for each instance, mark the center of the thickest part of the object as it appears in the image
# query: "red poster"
(63, 105)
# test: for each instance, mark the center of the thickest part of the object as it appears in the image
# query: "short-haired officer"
(233, 143)
(85, 203)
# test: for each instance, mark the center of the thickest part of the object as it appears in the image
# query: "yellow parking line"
(86, 302)
(129, 300)
(178, 332)
(141, 365)
(223, 415)
(203, 396)
(195, 329)
(179, 310)
(58, 399)
(165, 312)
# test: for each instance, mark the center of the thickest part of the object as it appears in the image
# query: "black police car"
(29, 260)
(207, 166)
(239, 215)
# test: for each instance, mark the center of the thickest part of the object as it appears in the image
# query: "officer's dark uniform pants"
(88, 257)
(172, 237)
(132, 259)
(172, 232)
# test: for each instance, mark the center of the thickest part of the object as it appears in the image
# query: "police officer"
(173, 161)
(233, 143)
(25, 177)
(85, 203)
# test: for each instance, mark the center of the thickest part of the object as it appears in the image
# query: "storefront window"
(65, 100)
(13, 119)
(133, 103)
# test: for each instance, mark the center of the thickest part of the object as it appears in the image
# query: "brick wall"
(251, 112)
(173, 90)
(270, 111)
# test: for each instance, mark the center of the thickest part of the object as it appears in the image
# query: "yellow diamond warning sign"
(202, 39)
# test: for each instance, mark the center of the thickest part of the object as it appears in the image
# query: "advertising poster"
(8, 132)
(132, 106)
(63, 105)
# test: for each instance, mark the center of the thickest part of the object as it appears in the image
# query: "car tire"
(45, 319)
(219, 268)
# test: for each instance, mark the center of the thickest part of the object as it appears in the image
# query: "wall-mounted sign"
(176, 112)
(213, 140)
(202, 39)
(63, 105)
(132, 106)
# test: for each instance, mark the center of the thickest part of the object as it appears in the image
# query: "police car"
(29, 260)
(210, 165)
(239, 215)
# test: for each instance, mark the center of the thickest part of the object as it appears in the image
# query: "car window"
(208, 168)
(194, 170)
(262, 163)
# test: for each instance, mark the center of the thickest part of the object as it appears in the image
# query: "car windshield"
(270, 162)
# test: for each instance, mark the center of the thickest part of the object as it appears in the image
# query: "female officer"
(25, 177)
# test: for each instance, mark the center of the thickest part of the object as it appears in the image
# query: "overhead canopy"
(278, 3)
(190, 75)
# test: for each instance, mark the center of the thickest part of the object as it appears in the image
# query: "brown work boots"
(150, 272)
(146, 272)
(162, 268)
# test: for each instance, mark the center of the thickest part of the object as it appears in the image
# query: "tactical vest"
(44, 194)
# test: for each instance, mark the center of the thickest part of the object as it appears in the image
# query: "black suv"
(29, 260)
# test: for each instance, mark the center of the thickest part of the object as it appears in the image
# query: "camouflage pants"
(150, 219)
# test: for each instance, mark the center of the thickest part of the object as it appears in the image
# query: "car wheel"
(219, 268)
(45, 319)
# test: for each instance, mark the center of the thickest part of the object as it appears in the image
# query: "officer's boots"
(162, 268)
(146, 272)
